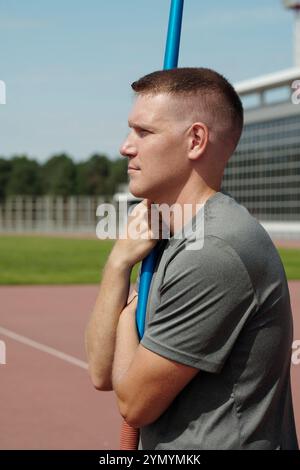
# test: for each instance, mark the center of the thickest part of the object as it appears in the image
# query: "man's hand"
(139, 238)
(113, 295)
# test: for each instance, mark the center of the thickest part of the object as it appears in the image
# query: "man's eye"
(142, 132)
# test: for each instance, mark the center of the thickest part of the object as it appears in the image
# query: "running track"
(46, 398)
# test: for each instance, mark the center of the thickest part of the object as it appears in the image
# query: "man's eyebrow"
(140, 125)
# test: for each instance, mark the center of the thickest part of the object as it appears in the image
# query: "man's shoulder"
(225, 216)
(231, 239)
(211, 257)
(223, 225)
(231, 221)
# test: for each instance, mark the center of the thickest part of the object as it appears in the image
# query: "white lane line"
(41, 347)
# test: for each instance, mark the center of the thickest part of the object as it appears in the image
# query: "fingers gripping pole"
(130, 436)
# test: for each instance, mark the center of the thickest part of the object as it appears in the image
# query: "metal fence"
(77, 215)
(49, 214)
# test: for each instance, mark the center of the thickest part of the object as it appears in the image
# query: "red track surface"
(48, 403)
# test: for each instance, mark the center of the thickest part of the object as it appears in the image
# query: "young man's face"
(156, 148)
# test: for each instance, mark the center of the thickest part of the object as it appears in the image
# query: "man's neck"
(184, 209)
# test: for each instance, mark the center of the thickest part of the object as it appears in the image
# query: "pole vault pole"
(129, 435)
(170, 62)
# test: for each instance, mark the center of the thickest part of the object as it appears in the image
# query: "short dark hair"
(215, 91)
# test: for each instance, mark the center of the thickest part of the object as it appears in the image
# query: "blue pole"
(170, 62)
(173, 36)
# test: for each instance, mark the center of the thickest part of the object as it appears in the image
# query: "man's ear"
(198, 138)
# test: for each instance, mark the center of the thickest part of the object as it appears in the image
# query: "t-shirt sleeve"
(206, 298)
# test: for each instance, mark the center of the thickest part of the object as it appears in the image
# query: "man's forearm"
(101, 330)
(127, 341)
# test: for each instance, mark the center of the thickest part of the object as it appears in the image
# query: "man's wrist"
(119, 262)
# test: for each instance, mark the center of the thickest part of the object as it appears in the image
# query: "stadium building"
(264, 173)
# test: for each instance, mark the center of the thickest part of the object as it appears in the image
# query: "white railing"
(49, 214)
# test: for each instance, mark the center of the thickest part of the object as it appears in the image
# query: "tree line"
(61, 176)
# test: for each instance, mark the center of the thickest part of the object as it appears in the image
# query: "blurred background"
(67, 67)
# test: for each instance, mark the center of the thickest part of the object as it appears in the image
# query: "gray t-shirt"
(225, 309)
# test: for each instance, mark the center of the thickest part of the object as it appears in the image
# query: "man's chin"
(138, 192)
(144, 193)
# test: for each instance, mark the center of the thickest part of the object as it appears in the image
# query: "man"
(213, 368)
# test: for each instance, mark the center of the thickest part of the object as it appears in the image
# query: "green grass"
(291, 261)
(51, 260)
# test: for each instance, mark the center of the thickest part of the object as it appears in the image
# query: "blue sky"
(68, 64)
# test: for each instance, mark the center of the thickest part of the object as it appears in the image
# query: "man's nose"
(128, 149)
